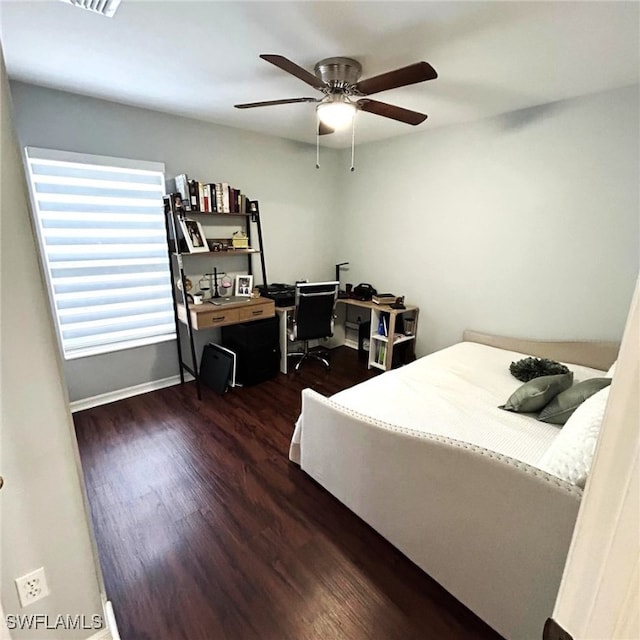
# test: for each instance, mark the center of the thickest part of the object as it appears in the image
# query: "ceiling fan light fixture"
(337, 114)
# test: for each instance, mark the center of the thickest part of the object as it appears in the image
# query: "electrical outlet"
(32, 587)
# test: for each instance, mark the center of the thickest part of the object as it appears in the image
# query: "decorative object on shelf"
(530, 368)
(226, 283)
(189, 284)
(194, 235)
(205, 286)
(409, 326)
(218, 281)
(240, 240)
(244, 285)
(398, 304)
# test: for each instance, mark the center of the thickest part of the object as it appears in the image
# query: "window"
(101, 228)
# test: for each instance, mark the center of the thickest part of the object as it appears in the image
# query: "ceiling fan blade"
(270, 103)
(324, 129)
(294, 69)
(391, 111)
(418, 72)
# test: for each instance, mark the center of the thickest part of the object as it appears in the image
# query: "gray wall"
(525, 224)
(44, 522)
(299, 218)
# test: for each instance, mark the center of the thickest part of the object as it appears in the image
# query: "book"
(201, 202)
(383, 325)
(225, 198)
(219, 202)
(213, 201)
(182, 187)
(236, 201)
(383, 298)
(194, 195)
(205, 197)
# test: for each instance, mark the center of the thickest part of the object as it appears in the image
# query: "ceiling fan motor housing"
(338, 73)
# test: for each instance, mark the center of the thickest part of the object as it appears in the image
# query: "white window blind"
(101, 230)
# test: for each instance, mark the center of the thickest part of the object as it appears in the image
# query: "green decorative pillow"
(537, 393)
(559, 410)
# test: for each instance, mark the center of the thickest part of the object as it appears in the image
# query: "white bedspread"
(455, 393)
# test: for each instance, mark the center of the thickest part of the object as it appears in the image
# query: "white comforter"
(455, 393)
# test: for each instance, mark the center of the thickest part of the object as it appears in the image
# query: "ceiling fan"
(344, 93)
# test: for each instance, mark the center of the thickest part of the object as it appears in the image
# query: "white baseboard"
(110, 631)
(127, 392)
(111, 620)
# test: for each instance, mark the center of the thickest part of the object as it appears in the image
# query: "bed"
(425, 456)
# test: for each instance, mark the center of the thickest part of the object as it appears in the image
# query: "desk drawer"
(255, 312)
(215, 318)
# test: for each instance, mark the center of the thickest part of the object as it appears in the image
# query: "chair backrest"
(315, 303)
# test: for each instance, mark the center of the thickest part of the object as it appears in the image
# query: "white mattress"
(455, 393)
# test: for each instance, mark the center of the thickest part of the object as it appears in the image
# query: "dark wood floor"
(207, 532)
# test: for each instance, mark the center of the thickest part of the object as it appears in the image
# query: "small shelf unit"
(402, 324)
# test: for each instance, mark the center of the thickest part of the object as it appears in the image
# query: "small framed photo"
(244, 284)
(177, 204)
(194, 235)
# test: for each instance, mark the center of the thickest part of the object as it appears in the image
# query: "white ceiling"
(197, 59)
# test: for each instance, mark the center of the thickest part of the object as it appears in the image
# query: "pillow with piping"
(537, 393)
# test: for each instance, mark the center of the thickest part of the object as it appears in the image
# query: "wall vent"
(103, 7)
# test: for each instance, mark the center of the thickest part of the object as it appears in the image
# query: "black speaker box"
(257, 348)
(216, 367)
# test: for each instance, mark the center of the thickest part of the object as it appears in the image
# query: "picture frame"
(177, 204)
(194, 235)
(244, 285)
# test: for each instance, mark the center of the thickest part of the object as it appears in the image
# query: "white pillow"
(570, 454)
(611, 371)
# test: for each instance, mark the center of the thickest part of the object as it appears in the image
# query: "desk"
(380, 346)
(208, 316)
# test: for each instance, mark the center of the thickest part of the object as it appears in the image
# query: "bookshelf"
(194, 235)
(392, 337)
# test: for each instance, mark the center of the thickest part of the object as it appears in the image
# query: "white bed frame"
(491, 530)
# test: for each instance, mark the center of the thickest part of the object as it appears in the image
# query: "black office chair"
(313, 316)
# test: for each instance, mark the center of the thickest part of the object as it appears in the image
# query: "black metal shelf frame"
(173, 236)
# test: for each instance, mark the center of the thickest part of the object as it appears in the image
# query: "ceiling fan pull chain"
(353, 142)
(317, 143)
